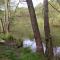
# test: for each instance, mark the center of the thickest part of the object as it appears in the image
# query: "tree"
(6, 16)
(48, 38)
(35, 26)
(6, 20)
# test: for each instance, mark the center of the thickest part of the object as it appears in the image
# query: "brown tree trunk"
(49, 47)
(35, 26)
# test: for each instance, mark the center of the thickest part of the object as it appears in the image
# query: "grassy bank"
(7, 53)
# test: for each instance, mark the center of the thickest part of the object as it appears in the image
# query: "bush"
(6, 37)
(20, 54)
(26, 54)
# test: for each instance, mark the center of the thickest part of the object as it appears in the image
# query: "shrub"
(26, 54)
(6, 37)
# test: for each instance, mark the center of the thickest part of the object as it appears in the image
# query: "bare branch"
(54, 8)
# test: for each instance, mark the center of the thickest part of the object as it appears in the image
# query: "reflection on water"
(32, 45)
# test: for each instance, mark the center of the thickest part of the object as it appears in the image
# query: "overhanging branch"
(54, 8)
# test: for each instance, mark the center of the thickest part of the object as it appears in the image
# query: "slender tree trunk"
(9, 16)
(49, 47)
(6, 17)
(35, 26)
(2, 25)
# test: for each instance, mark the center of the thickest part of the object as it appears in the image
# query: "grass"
(7, 53)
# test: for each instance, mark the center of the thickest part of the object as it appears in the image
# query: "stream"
(32, 45)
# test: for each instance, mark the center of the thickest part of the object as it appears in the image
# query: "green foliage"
(7, 53)
(26, 54)
(19, 42)
(19, 54)
(25, 50)
(10, 54)
(21, 27)
(6, 37)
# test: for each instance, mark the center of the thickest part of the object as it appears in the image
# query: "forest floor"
(9, 53)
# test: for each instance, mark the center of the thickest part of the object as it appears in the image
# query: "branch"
(17, 6)
(54, 8)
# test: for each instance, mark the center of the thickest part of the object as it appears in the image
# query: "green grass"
(7, 53)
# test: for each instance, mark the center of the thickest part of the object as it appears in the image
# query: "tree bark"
(6, 17)
(35, 26)
(48, 38)
(2, 25)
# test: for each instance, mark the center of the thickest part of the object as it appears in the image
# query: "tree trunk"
(35, 26)
(6, 17)
(48, 38)
(9, 15)
(2, 25)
